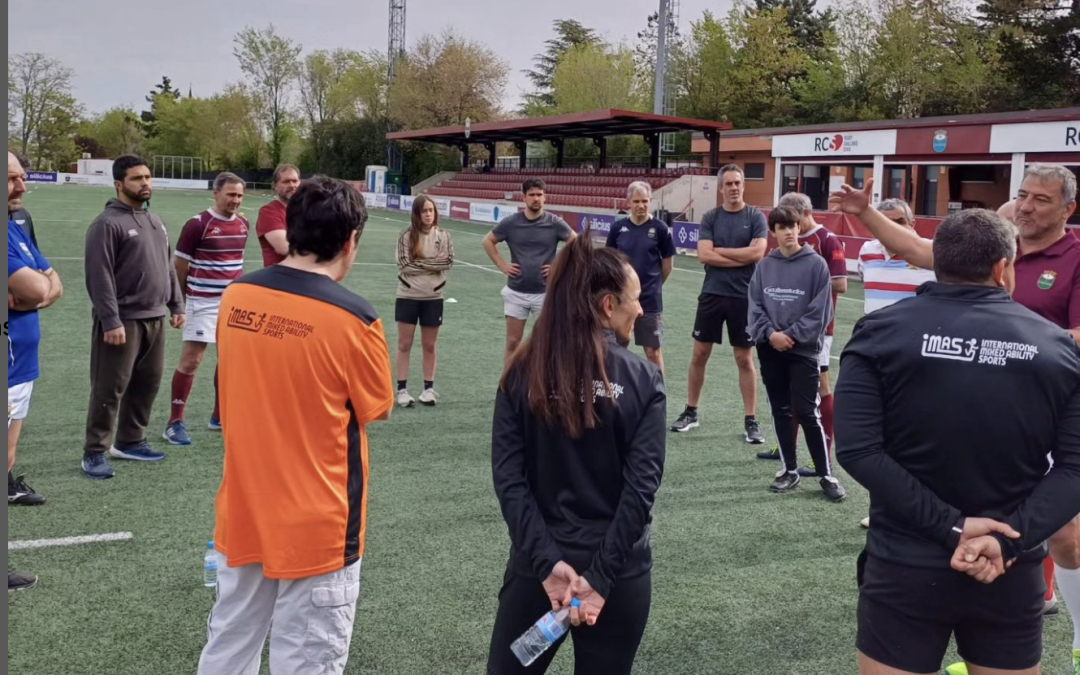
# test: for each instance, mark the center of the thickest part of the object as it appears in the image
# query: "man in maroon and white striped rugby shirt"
(209, 256)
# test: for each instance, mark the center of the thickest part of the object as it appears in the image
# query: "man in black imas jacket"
(950, 407)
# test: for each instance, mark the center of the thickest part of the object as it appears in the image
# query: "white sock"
(1068, 582)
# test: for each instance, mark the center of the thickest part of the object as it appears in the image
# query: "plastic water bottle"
(544, 633)
(210, 567)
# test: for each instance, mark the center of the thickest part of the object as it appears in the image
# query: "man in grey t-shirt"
(532, 237)
(731, 242)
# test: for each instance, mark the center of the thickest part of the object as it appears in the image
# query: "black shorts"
(649, 331)
(907, 615)
(427, 312)
(713, 311)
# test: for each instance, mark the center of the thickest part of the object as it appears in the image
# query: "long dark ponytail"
(566, 351)
(417, 225)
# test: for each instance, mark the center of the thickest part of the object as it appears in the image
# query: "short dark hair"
(783, 215)
(533, 184)
(23, 161)
(124, 163)
(322, 216)
(729, 167)
(969, 243)
(282, 168)
(226, 178)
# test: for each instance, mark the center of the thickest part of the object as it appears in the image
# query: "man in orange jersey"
(291, 511)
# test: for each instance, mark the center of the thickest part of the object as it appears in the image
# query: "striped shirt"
(888, 279)
(214, 247)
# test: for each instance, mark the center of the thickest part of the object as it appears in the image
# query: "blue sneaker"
(215, 424)
(96, 466)
(177, 433)
(140, 452)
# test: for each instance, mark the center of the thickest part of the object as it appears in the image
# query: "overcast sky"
(119, 49)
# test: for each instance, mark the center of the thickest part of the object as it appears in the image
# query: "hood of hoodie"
(806, 250)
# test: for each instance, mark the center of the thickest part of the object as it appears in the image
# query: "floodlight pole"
(661, 58)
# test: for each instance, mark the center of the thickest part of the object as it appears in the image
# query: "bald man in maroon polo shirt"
(1047, 283)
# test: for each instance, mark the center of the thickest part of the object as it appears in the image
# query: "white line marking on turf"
(479, 267)
(70, 541)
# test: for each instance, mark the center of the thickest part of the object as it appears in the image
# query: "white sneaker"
(429, 397)
(404, 398)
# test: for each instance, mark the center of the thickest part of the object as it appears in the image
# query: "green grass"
(745, 582)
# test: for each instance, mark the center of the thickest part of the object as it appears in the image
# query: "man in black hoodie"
(790, 308)
(132, 283)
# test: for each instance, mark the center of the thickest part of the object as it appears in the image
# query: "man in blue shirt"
(32, 285)
(647, 242)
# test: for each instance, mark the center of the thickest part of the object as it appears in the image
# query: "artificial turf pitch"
(745, 582)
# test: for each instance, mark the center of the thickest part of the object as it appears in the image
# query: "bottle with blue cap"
(547, 631)
(210, 566)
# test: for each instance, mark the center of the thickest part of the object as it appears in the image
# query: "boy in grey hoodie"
(790, 308)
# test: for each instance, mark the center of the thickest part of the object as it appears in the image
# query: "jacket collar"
(964, 293)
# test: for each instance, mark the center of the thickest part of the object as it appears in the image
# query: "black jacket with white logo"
(588, 501)
(948, 406)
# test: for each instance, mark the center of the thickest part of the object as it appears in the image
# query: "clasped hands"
(979, 554)
(563, 585)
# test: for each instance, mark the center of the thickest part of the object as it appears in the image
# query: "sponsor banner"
(407, 202)
(393, 202)
(177, 184)
(369, 198)
(487, 213)
(598, 224)
(1036, 137)
(380, 200)
(72, 179)
(40, 177)
(459, 210)
(837, 144)
(685, 234)
(443, 204)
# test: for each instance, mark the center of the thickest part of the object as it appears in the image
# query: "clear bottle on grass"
(541, 635)
(210, 564)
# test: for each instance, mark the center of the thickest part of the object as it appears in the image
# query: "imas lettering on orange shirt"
(279, 327)
(245, 319)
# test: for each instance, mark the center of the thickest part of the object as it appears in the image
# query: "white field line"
(70, 541)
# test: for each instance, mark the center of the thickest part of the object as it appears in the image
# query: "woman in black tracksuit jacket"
(577, 456)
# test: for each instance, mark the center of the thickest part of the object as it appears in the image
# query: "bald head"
(16, 182)
(1008, 211)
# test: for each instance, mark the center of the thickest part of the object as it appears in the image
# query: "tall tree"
(592, 77)
(53, 145)
(810, 27)
(271, 62)
(39, 92)
(116, 132)
(766, 66)
(568, 34)
(446, 79)
(321, 76)
(164, 92)
(703, 70)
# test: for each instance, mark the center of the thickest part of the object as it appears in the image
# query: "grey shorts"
(649, 331)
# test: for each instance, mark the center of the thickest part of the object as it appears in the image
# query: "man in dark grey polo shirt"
(532, 237)
(732, 241)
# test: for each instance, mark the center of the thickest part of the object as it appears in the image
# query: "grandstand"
(581, 187)
(599, 186)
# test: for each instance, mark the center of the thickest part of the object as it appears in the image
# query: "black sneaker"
(96, 466)
(785, 482)
(834, 492)
(770, 454)
(22, 494)
(753, 432)
(687, 421)
(20, 581)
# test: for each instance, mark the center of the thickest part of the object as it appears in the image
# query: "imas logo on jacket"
(989, 352)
